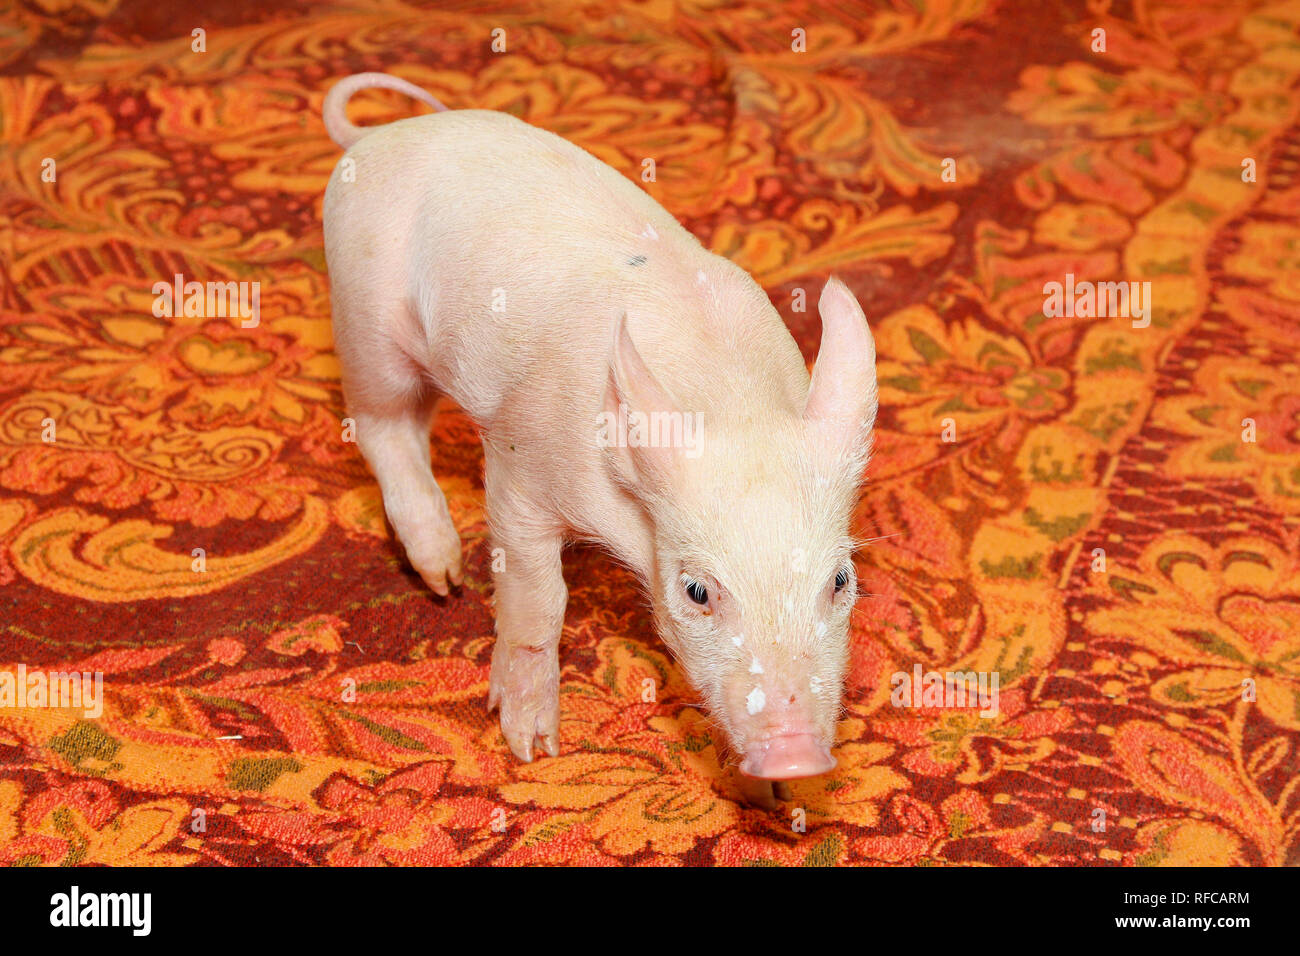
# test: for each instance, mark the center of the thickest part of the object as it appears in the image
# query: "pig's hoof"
(437, 559)
(756, 793)
(525, 685)
(763, 794)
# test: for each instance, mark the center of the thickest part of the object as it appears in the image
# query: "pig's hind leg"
(393, 434)
(530, 602)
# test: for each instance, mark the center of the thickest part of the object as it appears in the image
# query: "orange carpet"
(1105, 513)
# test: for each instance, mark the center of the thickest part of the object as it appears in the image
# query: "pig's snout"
(779, 732)
(787, 757)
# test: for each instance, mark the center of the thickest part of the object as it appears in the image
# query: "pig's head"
(753, 581)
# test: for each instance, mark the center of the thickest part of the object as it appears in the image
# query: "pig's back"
(524, 250)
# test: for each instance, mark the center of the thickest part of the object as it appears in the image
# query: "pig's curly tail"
(334, 111)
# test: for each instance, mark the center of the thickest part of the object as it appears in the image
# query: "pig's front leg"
(530, 602)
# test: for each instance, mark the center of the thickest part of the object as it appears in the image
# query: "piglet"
(633, 390)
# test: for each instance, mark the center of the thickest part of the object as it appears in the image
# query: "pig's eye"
(841, 579)
(696, 591)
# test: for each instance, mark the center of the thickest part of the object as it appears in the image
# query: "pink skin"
(456, 269)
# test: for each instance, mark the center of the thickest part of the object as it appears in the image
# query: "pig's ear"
(633, 391)
(841, 408)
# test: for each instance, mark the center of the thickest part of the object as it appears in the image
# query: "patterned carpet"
(1107, 515)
